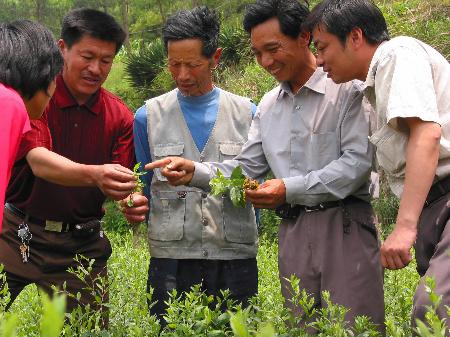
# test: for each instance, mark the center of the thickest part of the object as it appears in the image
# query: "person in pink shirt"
(29, 62)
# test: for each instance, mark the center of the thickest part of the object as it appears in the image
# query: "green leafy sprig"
(139, 183)
(235, 186)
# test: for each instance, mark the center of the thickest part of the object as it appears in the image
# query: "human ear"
(305, 38)
(216, 57)
(356, 37)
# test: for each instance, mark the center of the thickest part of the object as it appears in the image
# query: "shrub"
(235, 44)
(143, 64)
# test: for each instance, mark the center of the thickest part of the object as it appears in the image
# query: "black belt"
(437, 190)
(287, 211)
(62, 226)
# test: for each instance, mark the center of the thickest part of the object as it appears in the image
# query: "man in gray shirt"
(312, 134)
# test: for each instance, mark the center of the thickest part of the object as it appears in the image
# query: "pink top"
(14, 123)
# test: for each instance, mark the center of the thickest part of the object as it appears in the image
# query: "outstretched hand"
(114, 180)
(177, 170)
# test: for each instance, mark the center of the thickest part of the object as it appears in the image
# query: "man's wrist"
(91, 174)
(406, 223)
(200, 176)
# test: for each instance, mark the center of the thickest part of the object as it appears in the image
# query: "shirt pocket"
(390, 150)
(167, 215)
(239, 224)
(229, 150)
(162, 151)
(323, 148)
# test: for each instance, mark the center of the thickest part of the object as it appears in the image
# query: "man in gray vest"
(312, 134)
(195, 238)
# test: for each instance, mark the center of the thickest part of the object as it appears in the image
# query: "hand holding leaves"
(139, 183)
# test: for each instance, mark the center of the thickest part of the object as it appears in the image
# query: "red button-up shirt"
(99, 132)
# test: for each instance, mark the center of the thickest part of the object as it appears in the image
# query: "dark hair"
(290, 14)
(85, 21)
(29, 57)
(198, 23)
(339, 17)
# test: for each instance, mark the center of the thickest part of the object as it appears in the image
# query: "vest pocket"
(239, 224)
(168, 209)
(162, 151)
(229, 150)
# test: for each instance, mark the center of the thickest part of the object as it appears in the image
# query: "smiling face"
(86, 65)
(191, 70)
(337, 59)
(277, 53)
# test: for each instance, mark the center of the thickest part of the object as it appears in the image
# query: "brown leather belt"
(437, 190)
(54, 226)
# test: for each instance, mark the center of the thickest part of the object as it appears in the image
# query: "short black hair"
(97, 24)
(290, 14)
(339, 17)
(198, 23)
(29, 57)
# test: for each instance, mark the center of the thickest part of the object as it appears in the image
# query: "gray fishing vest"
(186, 222)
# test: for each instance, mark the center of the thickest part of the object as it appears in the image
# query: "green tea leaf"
(219, 184)
(237, 173)
(237, 196)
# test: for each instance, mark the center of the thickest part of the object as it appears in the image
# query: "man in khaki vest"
(195, 238)
(312, 134)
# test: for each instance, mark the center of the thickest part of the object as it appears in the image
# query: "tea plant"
(235, 186)
(137, 173)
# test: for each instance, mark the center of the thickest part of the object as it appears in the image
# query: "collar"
(198, 99)
(370, 79)
(64, 98)
(317, 82)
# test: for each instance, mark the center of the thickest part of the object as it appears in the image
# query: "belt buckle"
(53, 226)
(310, 209)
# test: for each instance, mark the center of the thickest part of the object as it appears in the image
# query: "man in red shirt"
(45, 224)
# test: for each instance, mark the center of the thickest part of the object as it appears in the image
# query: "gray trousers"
(432, 255)
(336, 249)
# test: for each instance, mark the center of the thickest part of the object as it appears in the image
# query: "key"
(25, 252)
(24, 233)
(25, 236)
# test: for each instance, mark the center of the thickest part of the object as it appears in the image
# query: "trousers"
(240, 276)
(432, 255)
(335, 249)
(51, 254)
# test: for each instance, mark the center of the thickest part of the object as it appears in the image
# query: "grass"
(128, 309)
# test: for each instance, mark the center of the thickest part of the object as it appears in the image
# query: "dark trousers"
(432, 249)
(239, 276)
(51, 254)
(337, 250)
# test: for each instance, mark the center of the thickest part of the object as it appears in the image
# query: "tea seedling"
(139, 183)
(235, 186)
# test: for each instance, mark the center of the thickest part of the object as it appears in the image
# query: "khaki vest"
(186, 222)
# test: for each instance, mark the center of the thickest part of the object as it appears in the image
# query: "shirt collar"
(64, 98)
(370, 79)
(317, 82)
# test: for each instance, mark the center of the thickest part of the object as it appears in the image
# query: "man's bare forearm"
(57, 169)
(421, 162)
